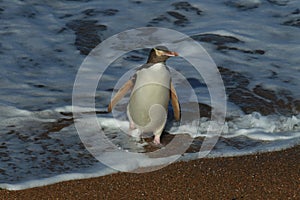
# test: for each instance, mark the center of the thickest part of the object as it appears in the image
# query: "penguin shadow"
(171, 145)
(165, 139)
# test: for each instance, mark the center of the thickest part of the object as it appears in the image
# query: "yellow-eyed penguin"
(152, 90)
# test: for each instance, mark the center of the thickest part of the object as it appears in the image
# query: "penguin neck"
(154, 63)
(153, 59)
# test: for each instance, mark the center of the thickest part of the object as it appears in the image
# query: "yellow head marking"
(158, 52)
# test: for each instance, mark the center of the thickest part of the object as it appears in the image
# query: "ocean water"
(254, 44)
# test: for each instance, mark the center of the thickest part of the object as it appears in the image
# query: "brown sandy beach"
(273, 175)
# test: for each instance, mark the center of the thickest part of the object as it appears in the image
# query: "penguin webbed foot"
(156, 141)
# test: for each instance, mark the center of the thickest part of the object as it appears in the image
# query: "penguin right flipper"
(175, 102)
(120, 94)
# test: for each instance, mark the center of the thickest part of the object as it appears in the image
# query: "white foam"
(272, 127)
(12, 116)
(260, 127)
(36, 83)
(95, 171)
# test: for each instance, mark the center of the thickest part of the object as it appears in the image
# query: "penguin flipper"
(120, 94)
(175, 103)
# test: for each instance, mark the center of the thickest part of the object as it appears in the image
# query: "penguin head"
(160, 54)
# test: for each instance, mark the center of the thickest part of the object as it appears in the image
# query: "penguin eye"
(158, 52)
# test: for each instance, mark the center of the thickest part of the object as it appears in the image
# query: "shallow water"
(254, 43)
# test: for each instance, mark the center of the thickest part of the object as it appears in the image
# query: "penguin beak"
(170, 53)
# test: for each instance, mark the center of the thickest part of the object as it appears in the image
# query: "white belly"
(150, 92)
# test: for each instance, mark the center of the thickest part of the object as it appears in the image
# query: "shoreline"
(270, 175)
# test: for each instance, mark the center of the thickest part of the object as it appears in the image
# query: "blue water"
(255, 44)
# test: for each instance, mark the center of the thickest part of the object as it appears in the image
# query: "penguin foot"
(156, 140)
(131, 126)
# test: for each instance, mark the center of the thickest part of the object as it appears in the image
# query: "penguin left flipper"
(120, 94)
(175, 103)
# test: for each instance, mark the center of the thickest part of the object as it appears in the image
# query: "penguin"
(151, 91)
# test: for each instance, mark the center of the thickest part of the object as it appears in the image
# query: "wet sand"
(273, 175)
